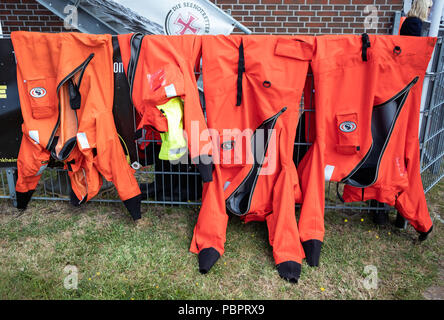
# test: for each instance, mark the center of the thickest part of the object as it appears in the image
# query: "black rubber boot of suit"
(205, 167)
(312, 249)
(75, 201)
(400, 222)
(380, 217)
(423, 235)
(23, 199)
(133, 206)
(290, 271)
(207, 258)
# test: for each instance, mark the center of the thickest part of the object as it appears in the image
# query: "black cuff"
(312, 249)
(133, 206)
(290, 271)
(423, 235)
(75, 201)
(204, 164)
(207, 258)
(23, 199)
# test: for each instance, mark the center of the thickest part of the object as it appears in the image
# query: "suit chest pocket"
(347, 129)
(42, 95)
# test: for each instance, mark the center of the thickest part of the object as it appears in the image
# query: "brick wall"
(27, 15)
(311, 17)
(261, 16)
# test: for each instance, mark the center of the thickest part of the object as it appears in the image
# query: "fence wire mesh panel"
(169, 184)
(4, 190)
(432, 142)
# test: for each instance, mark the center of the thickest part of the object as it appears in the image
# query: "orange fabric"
(85, 138)
(347, 89)
(165, 69)
(266, 92)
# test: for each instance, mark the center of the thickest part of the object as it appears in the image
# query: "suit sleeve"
(411, 203)
(31, 162)
(198, 136)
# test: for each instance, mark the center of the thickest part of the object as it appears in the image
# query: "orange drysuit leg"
(210, 230)
(282, 225)
(311, 220)
(283, 230)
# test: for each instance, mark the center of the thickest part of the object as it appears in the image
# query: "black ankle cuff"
(23, 199)
(207, 258)
(380, 218)
(133, 206)
(205, 167)
(289, 270)
(423, 235)
(400, 221)
(75, 201)
(312, 249)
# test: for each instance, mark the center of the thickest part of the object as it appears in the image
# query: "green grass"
(118, 260)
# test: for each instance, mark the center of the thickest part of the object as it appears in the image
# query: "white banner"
(180, 17)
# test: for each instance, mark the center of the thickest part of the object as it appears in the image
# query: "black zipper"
(260, 163)
(134, 60)
(398, 111)
(69, 76)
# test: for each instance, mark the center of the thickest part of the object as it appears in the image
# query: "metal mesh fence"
(432, 142)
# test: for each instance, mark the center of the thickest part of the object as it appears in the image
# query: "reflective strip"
(83, 141)
(175, 152)
(42, 168)
(170, 91)
(226, 184)
(328, 172)
(34, 135)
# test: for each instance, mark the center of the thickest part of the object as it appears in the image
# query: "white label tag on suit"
(328, 172)
(83, 140)
(170, 91)
(34, 135)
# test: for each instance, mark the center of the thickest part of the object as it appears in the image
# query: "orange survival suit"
(65, 83)
(252, 105)
(160, 68)
(367, 100)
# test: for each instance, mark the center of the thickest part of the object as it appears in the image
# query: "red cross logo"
(186, 25)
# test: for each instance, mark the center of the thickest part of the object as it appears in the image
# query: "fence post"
(433, 32)
(11, 185)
